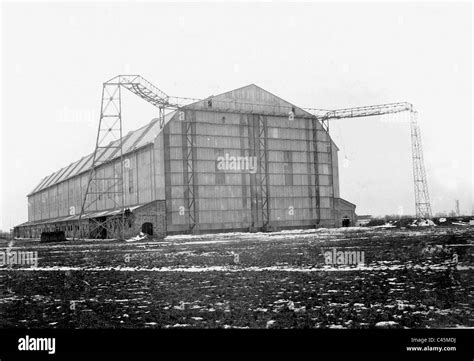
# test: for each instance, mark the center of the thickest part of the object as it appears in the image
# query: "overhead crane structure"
(422, 198)
(109, 141)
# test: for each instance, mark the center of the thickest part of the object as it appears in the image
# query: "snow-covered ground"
(415, 277)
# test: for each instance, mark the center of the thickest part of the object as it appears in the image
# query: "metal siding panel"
(159, 167)
(30, 209)
(144, 176)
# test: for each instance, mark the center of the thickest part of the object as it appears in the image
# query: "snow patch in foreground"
(140, 237)
(234, 269)
(386, 225)
(423, 223)
(386, 324)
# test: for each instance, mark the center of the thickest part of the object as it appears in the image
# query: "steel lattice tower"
(422, 198)
(109, 142)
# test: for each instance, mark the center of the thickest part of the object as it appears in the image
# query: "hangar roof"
(88, 215)
(134, 140)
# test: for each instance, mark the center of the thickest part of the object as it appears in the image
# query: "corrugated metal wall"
(232, 199)
(139, 180)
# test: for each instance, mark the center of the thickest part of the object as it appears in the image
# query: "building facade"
(236, 161)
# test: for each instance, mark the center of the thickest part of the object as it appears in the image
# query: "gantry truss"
(422, 199)
(109, 145)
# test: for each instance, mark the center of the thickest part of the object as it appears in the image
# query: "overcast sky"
(56, 56)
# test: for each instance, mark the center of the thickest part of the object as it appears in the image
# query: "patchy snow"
(140, 237)
(233, 269)
(270, 323)
(459, 326)
(178, 325)
(236, 327)
(206, 242)
(386, 225)
(386, 324)
(214, 238)
(423, 223)
(151, 323)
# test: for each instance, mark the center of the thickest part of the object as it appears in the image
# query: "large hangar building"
(210, 168)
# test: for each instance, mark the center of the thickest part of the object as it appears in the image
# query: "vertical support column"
(331, 177)
(263, 170)
(167, 170)
(120, 181)
(253, 176)
(308, 164)
(189, 157)
(243, 153)
(315, 123)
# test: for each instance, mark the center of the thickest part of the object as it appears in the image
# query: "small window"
(209, 103)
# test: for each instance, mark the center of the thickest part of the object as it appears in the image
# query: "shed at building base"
(147, 218)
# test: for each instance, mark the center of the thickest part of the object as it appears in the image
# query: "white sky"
(55, 57)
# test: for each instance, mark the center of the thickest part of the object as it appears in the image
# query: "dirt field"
(413, 278)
